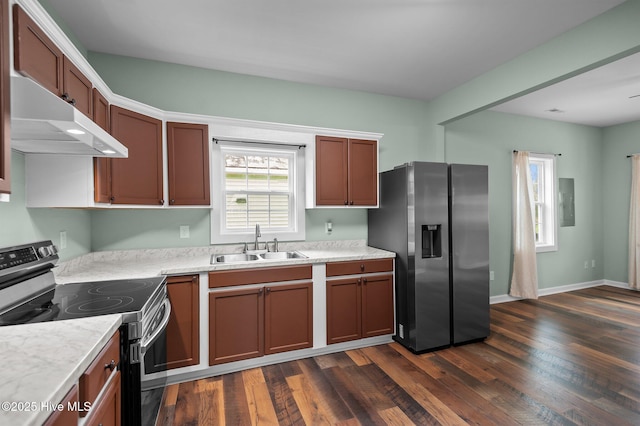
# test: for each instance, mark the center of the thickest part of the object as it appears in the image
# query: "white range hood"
(43, 123)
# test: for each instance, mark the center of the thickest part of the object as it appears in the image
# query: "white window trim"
(218, 234)
(550, 217)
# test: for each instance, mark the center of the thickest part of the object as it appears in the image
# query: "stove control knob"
(47, 251)
(44, 251)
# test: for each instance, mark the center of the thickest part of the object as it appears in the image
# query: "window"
(543, 178)
(257, 184)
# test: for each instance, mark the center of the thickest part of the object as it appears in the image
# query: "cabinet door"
(331, 171)
(5, 102)
(183, 330)
(363, 172)
(188, 158)
(35, 55)
(288, 318)
(137, 179)
(377, 305)
(343, 310)
(236, 325)
(65, 417)
(107, 410)
(77, 89)
(101, 166)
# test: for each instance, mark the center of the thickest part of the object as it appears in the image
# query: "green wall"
(489, 138)
(19, 225)
(595, 158)
(619, 141)
(181, 88)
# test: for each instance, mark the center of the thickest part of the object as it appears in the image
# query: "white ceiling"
(605, 96)
(409, 48)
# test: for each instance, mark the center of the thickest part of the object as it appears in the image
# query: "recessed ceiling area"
(605, 96)
(409, 48)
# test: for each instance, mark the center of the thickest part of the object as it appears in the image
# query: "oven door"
(153, 346)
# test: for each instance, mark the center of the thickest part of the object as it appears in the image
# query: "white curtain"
(524, 280)
(634, 224)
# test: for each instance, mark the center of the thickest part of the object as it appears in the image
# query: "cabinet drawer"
(97, 374)
(359, 267)
(258, 275)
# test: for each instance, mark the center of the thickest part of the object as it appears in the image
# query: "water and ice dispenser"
(431, 241)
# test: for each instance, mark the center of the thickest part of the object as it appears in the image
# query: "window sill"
(546, 248)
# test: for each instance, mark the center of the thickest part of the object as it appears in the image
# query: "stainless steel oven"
(28, 294)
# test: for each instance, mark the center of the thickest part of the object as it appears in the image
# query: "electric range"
(29, 294)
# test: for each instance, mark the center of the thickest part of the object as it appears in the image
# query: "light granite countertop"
(41, 363)
(125, 264)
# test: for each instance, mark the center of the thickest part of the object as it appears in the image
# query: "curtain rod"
(261, 143)
(541, 153)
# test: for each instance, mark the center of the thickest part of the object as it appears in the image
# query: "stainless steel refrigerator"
(435, 217)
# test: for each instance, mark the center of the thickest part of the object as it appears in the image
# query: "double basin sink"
(251, 257)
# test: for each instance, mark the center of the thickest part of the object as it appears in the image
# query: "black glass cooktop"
(78, 300)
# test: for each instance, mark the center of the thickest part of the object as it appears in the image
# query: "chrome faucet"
(275, 244)
(257, 235)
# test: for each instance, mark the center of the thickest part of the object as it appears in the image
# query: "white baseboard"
(617, 284)
(560, 289)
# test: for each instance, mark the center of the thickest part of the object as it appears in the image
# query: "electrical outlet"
(63, 240)
(492, 276)
(184, 231)
(586, 264)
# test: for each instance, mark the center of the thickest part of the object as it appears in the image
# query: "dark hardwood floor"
(571, 358)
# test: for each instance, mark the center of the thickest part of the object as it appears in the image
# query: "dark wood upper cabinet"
(188, 163)
(5, 102)
(346, 171)
(35, 55)
(363, 172)
(77, 89)
(138, 178)
(332, 155)
(101, 166)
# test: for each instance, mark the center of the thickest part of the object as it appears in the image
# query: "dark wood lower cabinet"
(254, 322)
(236, 325)
(344, 317)
(377, 305)
(288, 318)
(65, 416)
(359, 307)
(107, 410)
(183, 329)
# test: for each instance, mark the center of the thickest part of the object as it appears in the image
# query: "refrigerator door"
(469, 252)
(429, 202)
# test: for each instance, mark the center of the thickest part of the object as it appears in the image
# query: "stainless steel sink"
(250, 257)
(234, 257)
(276, 255)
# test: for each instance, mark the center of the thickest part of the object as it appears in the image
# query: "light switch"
(63, 240)
(184, 231)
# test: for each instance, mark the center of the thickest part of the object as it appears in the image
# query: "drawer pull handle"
(111, 366)
(362, 267)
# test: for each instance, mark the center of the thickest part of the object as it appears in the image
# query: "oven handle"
(148, 342)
